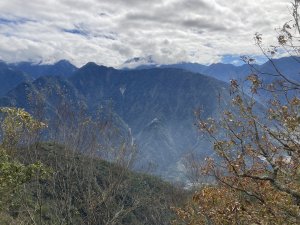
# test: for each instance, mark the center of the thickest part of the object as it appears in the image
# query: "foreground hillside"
(84, 190)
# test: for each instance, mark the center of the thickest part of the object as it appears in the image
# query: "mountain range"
(152, 104)
(289, 66)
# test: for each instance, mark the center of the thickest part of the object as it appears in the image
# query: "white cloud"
(110, 31)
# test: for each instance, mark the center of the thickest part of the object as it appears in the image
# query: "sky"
(109, 32)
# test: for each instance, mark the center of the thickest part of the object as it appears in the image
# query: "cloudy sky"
(109, 32)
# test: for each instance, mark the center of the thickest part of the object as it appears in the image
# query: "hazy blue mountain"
(220, 71)
(152, 106)
(226, 72)
(192, 67)
(9, 78)
(155, 106)
(48, 90)
(289, 66)
(61, 68)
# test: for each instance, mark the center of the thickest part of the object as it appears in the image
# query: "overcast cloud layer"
(109, 32)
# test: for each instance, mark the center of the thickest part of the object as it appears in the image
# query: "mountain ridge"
(136, 97)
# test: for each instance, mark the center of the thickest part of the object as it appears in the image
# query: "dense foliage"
(51, 183)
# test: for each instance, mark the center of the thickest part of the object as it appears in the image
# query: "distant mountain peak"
(92, 69)
(148, 59)
(139, 61)
(93, 65)
(90, 64)
(37, 69)
(63, 62)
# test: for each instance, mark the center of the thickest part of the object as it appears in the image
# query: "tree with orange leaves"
(257, 168)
